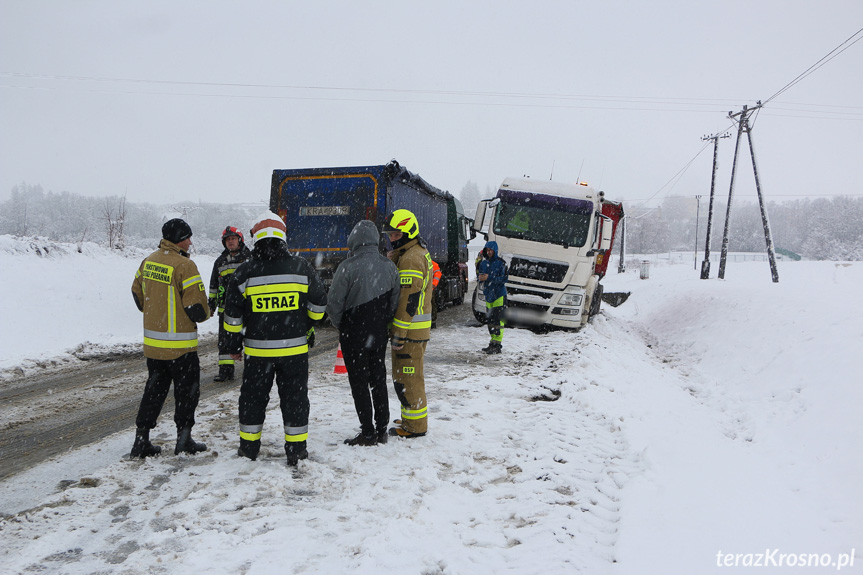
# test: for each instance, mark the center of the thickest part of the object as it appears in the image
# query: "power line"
(579, 97)
(811, 69)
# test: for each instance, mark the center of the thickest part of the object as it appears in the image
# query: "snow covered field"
(701, 425)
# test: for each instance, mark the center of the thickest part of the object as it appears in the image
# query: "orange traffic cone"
(340, 362)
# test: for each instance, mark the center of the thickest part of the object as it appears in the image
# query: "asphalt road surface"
(55, 411)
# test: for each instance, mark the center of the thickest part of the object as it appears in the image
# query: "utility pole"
(621, 265)
(705, 265)
(697, 215)
(743, 126)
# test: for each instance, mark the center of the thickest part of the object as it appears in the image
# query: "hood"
(491, 246)
(365, 233)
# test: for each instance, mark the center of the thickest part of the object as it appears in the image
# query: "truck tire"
(460, 299)
(479, 317)
(596, 301)
(462, 288)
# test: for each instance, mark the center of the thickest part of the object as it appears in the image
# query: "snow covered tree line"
(815, 228)
(112, 220)
(819, 228)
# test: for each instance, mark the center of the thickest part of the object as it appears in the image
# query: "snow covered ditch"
(699, 419)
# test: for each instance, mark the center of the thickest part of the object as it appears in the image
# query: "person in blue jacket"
(493, 275)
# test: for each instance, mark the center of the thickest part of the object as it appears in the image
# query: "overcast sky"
(202, 100)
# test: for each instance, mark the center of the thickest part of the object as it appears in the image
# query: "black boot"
(296, 450)
(226, 373)
(382, 435)
(249, 449)
(363, 440)
(493, 347)
(142, 447)
(185, 443)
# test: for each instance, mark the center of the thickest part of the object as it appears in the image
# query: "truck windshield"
(543, 218)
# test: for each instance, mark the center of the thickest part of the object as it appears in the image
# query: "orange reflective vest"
(436, 274)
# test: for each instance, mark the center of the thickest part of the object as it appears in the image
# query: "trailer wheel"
(479, 317)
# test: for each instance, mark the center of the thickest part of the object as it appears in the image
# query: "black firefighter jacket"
(272, 302)
(225, 265)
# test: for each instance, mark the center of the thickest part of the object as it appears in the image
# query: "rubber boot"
(185, 443)
(249, 448)
(296, 450)
(142, 447)
(226, 373)
(493, 347)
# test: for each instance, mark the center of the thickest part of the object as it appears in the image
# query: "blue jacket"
(495, 286)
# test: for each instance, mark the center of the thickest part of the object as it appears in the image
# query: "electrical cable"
(829, 56)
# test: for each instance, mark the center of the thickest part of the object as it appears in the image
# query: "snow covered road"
(699, 418)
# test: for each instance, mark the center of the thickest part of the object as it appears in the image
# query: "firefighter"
(234, 254)
(436, 275)
(361, 303)
(271, 306)
(169, 291)
(493, 274)
(412, 323)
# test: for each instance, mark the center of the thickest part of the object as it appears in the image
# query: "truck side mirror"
(469, 225)
(607, 230)
(478, 220)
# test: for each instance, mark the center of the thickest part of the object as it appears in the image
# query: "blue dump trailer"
(320, 207)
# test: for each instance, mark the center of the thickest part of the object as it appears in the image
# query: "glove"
(212, 303)
(310, 337)
(397, 342)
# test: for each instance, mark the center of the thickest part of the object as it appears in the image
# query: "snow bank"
(62, 301)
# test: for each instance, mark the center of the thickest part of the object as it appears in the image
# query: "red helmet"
(232, 231)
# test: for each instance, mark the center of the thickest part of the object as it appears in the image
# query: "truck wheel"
(462, 290)
(479, 317)
(596, 301)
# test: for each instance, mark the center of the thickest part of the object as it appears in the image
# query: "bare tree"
(121, 223)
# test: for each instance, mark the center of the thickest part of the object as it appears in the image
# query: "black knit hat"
(176, 230)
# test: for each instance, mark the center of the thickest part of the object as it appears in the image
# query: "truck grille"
(514, 289)
(538, 270)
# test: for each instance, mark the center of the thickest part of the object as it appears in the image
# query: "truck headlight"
(572, 295)
(570, 299)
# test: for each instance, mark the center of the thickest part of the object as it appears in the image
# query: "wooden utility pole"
(621, 264)
(743, 126)
(697, 217)
(705, 265)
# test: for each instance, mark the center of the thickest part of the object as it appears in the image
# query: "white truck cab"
(556, 240)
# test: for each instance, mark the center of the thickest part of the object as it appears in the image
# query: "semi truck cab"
(556, 239)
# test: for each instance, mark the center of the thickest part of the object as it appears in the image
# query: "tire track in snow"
(503, 476)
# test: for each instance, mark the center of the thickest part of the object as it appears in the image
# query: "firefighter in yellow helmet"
(411, 327)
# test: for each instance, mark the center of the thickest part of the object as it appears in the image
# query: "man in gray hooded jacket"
(361, 303)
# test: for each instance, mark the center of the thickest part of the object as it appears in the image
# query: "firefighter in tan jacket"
(169, 291)
(411, 326)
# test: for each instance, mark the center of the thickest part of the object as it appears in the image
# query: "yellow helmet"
(402, 221)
